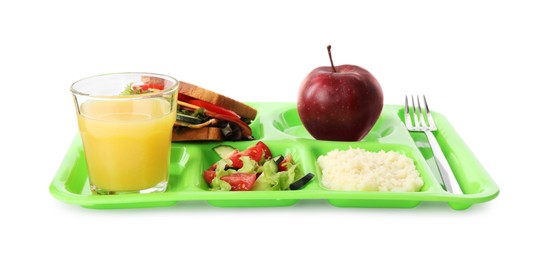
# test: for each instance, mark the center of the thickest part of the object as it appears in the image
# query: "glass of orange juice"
(125, 121)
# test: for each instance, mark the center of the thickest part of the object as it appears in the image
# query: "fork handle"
(446, 173)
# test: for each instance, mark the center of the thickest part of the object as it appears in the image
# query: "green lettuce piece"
(249, 165)
(286, 178)
(268, 179)
(297, 173)
(271, 179)
(262, 183)
(220, 185)
(128, 90)
(221, 165)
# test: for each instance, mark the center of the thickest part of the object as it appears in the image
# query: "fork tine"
(408, 123)
(415, 118)
(429, 115)
(421, 113)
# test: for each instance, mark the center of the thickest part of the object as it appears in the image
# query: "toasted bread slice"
(199, 134)
(197, 92)
(152, 80)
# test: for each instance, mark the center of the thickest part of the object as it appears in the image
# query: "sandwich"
(203, 115)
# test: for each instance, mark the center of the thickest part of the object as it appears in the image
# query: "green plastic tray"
(279, 126)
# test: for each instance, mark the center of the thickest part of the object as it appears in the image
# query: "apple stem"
(330, 57)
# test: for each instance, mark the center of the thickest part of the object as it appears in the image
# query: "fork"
(420, 124)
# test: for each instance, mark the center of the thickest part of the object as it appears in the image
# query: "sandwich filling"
(194, 113)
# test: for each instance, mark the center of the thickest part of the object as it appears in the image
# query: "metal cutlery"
(419, 119)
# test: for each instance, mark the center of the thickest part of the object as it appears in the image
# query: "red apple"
(340, 103)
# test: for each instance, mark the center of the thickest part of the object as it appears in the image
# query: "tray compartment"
(377, 199)
(182, 162)
(78, 179)
(288, 123)
(255, 198)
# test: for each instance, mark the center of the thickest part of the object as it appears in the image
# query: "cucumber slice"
(224, 150)
(188, 118)
(301, 182)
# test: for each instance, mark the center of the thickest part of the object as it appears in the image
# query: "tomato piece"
(283, 165)
(265, 149)
(254, 152)
(209, 176)
(236, 162)
(209, 106)
(240, 181)
(146, 87)
(257, 151)
(159, 87)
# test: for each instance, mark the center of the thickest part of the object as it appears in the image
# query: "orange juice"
(127, 143)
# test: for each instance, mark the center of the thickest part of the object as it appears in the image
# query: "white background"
(488, 66)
